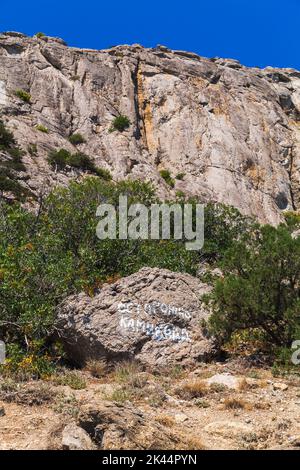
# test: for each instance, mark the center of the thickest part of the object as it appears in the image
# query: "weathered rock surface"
(75, 438)
(153, 316)
(234, 131)
(123, 427)
(227, 380)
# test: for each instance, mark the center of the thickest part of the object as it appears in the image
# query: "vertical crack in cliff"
(293, 184)
(143, 110)
(138, 112)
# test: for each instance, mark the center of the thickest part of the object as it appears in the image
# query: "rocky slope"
(233, 131)
(216, 406)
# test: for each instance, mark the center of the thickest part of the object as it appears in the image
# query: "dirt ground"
(216, 406)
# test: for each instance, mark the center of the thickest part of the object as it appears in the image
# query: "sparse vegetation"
(119, 395)
(23, 95)
(120, 123)
(22, 394)
(40, 35)
(200, 403)
(76, 139)
(166, 175)
(236, 404)
(60, 159)
(125, 370)
(75, 78)
(42, 128)
(67, 405)
(32, 150)
(192, 389)
(166, 420)
(11, 165)
(180, 176)
(103, 173)
(72, 379)
(97, 368)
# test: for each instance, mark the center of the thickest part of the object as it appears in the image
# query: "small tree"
(261, 288)
(59, 159)
(40, 35)
(7, 139)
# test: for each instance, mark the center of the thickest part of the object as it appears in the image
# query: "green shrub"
(180, 176)
(120, 123)
(32, 150)
(260, 291)
(40, 35)
(72, 379)
(292, 220)
(103, 173)
(166, 175)
(47, 257)
(7, 139)
(11, 165)
(42, 128)
(59, 159)
(81, 161)
(75, 78)
(23, 95)
(76, 139)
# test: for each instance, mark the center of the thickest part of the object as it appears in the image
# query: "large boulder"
(153, 316)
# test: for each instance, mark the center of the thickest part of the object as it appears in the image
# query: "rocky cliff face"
(233, 131)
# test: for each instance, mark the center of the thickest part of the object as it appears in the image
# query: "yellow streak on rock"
(146, 113)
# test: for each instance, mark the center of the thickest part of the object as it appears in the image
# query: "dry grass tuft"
(165, 420)
(124, 371)
(33, 394)
(194, 443)
(97, 368)
(192, 389)
(236, 404)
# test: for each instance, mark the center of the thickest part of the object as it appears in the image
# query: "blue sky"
(261, 33)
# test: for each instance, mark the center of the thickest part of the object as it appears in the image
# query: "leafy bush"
(260, 291)
(10, 166)
(102, 173)
(23, 95)
(120, 123)
(42, 128)
(180, 176)
(292, 220)
(32, 150)
(45, 257)
(74, 78)
(40, 35)
(76, 139)
(7, 140)
(166, 175)
(72, 379)
(81, 161)
(59, 159)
